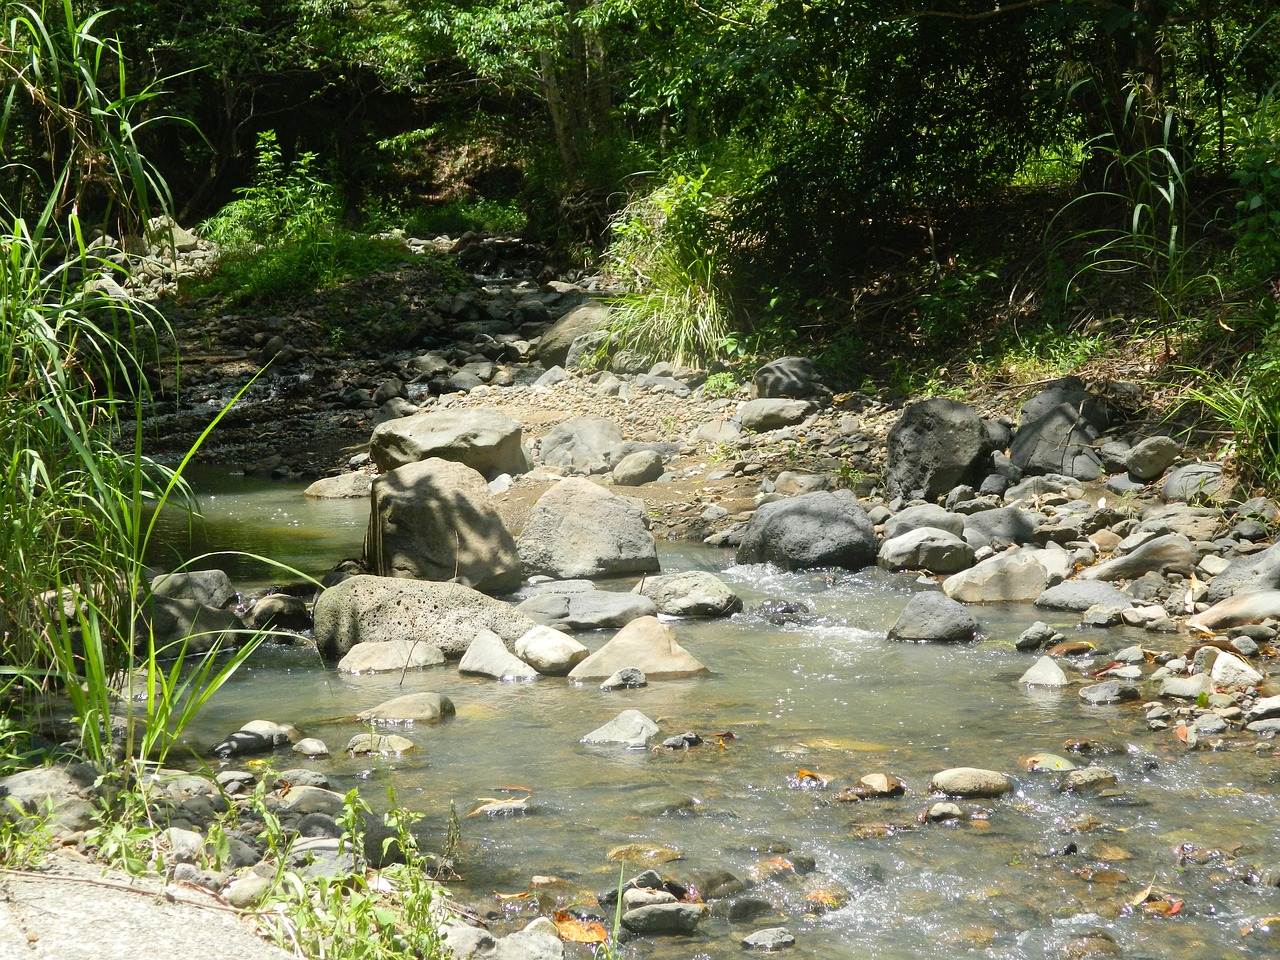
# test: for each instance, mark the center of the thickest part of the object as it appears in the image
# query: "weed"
(722, 384)
(24, 837)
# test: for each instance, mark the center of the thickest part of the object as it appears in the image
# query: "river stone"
(67, 793)
(1243, 608)
(638, 468)
(1087, 779)
(488, 656)
(691, 593)
(1038, 635)
(769, 939)
(664, 918)
(1266, 708)
(390, 655)
(437, 520)
(1080, 595)
(342, 487)
(628, 678)
(311, 747)
(303, 799)
(1194, 523)
(592, 610)
(926, 548)
(935, 445)
(825, 529)
(766, 414)
(484, 440)
(1151, 457)
(923, 515)
(1185, 688)
(1058, 441)
(242, 743)
(277, 612)
(579, 529)
(933, 617)
(1109, 691)
(793, 377)
(1247, 575)
(376, 609)
(277, 734)
(580, 445)
(1264, 728)
(584, 319)
(1020, 575)
(970, 782)
(630, 727)
(645, 644)
(384, 744)
(426, 707)
(1045, 672)
(549, 651)
(1228, 671)
(1196, 483)
(210, 588)
(1172, 553)
(1002, 528)
(188, 626)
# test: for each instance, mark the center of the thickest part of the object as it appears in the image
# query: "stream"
(1039, 873)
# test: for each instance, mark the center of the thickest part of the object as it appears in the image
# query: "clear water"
(833, 696)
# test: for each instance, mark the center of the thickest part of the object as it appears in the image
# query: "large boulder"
(436, 520)
(647, 645)
(926, 548)
(1172, 553)
(212, 588)
(579, 445)
(936, 445)
(934, 618)
(582, 320)
(923, 515)
(691, 593)
(1002, 528)
(1247, 575)
(1059, 441)
(796, 378)
(368, 609)
(824, 529)
(579, 529)
(484, 440)
(1072, 392)
(1018, 576)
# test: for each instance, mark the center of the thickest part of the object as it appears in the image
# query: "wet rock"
(586, 610)
(390, 656)
(549, 651)
(424, 707)
(769, 939)
(943, 812)
(1184, 688)
(242, 743)
(578, 529)
(488, 656)
(387, 745)
(1045, 672)
(342, 487)
(311, 747)
(436, 520)
(1087, 779)
(1048, 763)
(825, 529)
(1080, 595)
(1036, 636)
(664, 918)
(692, 593)
(970, 782)
(210, 588)
(630, 728)
(195, 626)
(627, 678)
(377, 609)
(934, 618)
(278, 611)
(1228, 671)
(484, 440)
(1109, 691)
(645, 644)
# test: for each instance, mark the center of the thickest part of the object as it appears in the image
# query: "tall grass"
(77, 495)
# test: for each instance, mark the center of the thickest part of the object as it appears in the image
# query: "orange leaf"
(503, 897)
(810, 775)
(579, 931)
(1181, 732)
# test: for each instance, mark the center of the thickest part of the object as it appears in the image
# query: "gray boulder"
(189, 626)
(796, 378)
(638, 468)
(67, 793)
(1247, 575)
(1172, 553)
(377, 609)
(1017, 576)
(586, 610)
(488, 656)
(768, 413)
(584, 319)
(579, 529)
(1002, 527)
(426, 707)
(580, 445)
(484, 440)
(631, 728)
(550, 652)
(1196, 483)
(436, 520)
(692, 593)
(926, 548)
(390, 656)
(923, 515)
(936, 445)
(1079, 595)
(825, 529)
(1058, 441)
(210, 588)
(645, 644)
(934, 618)
(1151, 457)
(970, 782)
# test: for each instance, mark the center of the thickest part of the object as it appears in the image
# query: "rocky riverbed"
(1075, 550)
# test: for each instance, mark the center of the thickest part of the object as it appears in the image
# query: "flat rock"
(970, 782)
(589, 610)
(631, 728)
(390, 656)
(426, 707)
(1171, 553)
(1109, 691)
(691, 593)
(484, 440)
(1243, 608)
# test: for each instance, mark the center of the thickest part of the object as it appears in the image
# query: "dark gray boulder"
(1059, 441)
(934, 618)
(1080, 595)
(1247, 575)
(791, 377)
(824, 529)
(936, 445)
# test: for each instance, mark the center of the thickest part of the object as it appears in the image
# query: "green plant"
(722, 384)
(1257, 176)
(24, 837)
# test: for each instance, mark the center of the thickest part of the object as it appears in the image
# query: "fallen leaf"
(497, 807)
(579, 931)
(1143, 895)
(1180, 731)
(804, 778)
(1263, 925)
(504, 897)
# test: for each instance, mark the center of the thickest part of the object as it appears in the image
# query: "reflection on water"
(828, 694)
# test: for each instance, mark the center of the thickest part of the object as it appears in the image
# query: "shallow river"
(832, 696)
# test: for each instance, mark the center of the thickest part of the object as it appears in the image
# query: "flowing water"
(830, 695)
